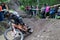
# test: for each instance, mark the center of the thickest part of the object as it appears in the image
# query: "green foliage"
(34, 2)
(50, 2)
(4, 0)
(40, 2)
(22, 7)
(28, 2)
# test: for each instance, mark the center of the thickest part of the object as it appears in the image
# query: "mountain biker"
(16, 21)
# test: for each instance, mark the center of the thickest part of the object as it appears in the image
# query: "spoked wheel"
(17, 36)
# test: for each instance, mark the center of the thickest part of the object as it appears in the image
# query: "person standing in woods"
(4, 6)
(43, 10)
(1, 14)
(47, 10)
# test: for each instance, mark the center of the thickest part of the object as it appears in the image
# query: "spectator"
(27, 8)
(47, 11)
(37, 10)
(56, 8)
(52, 12)
(43, 11)
(34, 10)
(4, 6)
(0, 8)
(1, 14)
(58, 11)
(31, 10)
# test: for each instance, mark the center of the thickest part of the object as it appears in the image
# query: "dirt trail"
(39, 26)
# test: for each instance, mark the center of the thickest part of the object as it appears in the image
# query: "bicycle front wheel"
(8, 36)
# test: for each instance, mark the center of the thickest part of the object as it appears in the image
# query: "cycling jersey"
(17, 20)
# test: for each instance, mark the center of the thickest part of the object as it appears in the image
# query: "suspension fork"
(13, 28)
